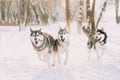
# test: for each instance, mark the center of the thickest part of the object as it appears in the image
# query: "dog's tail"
(86, 30)
(55, 45)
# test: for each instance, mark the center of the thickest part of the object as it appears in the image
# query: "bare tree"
(92, 17)
(3, 10)
(117, 10)
(101, 13)
(68, 15)
(74, 9)
(80, 18)
(22, 14)
(88, 12)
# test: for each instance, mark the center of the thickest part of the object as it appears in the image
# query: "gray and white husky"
(61, 45)
(43, 44)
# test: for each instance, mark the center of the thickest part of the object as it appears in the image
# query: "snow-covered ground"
(18, 60)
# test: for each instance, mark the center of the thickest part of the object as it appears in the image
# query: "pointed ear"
(60, 28)
(65, 28)
(31, 30)
(102, 29)
(40, 29)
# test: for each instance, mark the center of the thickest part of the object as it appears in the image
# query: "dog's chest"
(45, 50)
(62, 47)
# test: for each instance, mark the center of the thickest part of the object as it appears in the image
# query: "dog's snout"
(35, 38)
(96, 36)
(61, 36)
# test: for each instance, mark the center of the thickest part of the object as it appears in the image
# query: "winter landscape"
(18, 60)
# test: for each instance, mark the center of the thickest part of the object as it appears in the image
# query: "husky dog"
(100, 38)
(42, 41)
(61, 45)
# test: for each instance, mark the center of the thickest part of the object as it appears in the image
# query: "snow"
(18, 60)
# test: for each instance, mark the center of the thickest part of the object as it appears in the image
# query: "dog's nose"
(35, 38)
(61, 36)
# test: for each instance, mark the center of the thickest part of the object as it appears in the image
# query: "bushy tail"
(55, 45)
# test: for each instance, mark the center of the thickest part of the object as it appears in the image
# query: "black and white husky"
(61, 46)
(43, 44)
(97, 42)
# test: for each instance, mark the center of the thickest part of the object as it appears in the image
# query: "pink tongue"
(62, 39)
(36, 42)
(40, 40)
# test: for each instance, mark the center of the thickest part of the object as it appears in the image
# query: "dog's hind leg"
(97, 54)
(59, 58)
(89, 54)
(53, 59)
(103, 51)
(50, 58)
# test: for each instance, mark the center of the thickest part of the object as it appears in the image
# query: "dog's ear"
(102, 29)
(40, 31)
(31, 30)
(60, 28)
(65, 28)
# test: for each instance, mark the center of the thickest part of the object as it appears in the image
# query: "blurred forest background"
(43, 12)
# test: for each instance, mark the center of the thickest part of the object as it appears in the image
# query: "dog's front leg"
(66, 56)
(59, 57)
(102, 50)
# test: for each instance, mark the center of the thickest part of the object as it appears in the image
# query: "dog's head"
(63, 35)
(36, 37)
(100, 35)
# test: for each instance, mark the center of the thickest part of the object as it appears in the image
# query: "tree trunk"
(100, 16)
(88, 12)
(116, 9)
(93, 29)
(68, 15)
(80, 17)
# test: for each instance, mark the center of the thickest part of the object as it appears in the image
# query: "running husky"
(43, 44)
(93, 41)
(61, 46)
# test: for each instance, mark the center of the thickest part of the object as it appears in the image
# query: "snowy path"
(19, 62)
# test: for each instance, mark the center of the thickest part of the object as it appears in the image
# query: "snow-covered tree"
(80, 17)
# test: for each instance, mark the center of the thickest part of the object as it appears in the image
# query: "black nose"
(35, 38)
(61, 36)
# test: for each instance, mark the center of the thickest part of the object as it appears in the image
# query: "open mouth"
(63, 39)
(40, 40)
(36, 42)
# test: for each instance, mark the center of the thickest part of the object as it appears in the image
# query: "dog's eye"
(33, 35)
(60, 32)
(37, 34)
